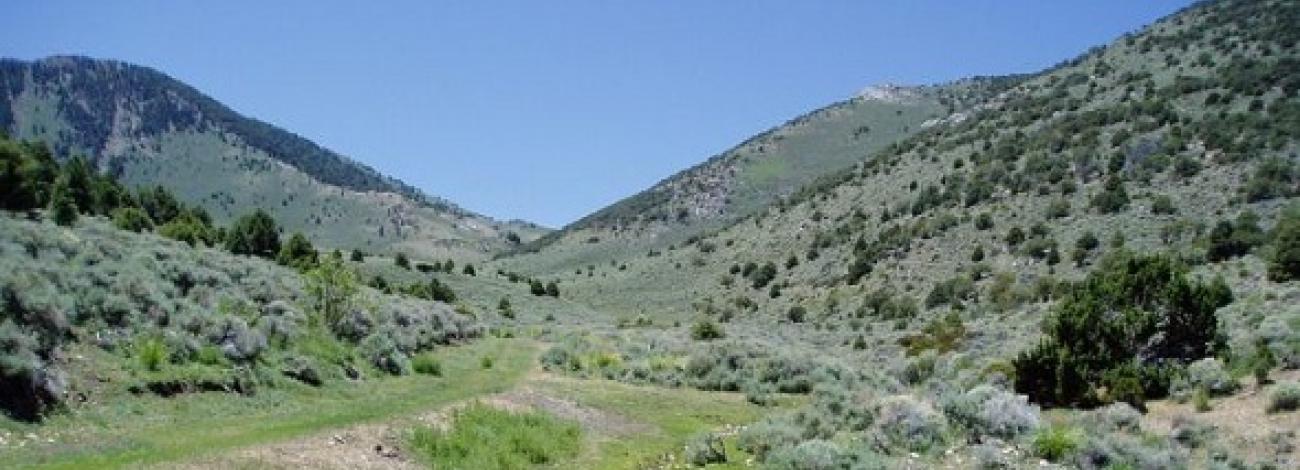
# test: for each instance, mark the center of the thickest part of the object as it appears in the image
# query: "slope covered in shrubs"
(174, 308)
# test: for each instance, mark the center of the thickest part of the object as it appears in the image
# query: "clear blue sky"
(548, 110)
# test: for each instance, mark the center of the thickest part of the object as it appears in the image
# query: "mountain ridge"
(140, 123)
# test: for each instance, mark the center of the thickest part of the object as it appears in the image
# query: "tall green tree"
(255, 234)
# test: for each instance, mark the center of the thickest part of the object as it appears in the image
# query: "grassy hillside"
(938, 260)
(151, 129)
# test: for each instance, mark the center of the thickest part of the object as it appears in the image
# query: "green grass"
(1056, 442)
(427, 364)
(665, 419)
(138, 431)
(482, 437)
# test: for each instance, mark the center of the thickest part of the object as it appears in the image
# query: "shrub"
(484, 437)
(152, 353)
(984, 221)
(796, 314)
(401, 261)
(989, 411)
(941, 334)
(486, 362)
(427, 364)
(815, 454)
(905, 423)
(254, 234)
(1056, 442)
(1229, 240)
(297, 253)
(705, 448)
(1273, 178)
(331, 286)
(1112, 198)
(1163, 205)
(762, 276)
(63, 207)
(763, 438)
(192, 227)
(1284, 265)
(953, 292)
(1133, 305)
(706, 330)
(1058, 208)
(1285, 397)
(1015, 237)
(131, 219)
(1205, 375)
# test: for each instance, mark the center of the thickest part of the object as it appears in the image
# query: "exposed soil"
(380, 445)
(1239, 422)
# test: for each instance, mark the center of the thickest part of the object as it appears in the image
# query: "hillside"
(944, 254)
(1096, 266)
(761, 170)
(150, 129)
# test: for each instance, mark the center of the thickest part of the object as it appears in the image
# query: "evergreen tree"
(255, 234)
(132, 219)
(297, 253)
(63, 207)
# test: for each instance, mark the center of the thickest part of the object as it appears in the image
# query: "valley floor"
(365, 425)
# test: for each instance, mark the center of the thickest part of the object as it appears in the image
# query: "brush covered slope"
(150, 129)
(1140, 189)
(762, 170)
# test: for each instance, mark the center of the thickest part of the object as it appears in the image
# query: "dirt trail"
(380, 445)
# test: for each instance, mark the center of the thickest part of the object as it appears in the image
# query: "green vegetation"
(488, 438)
(1055, 443)
(1131, 304)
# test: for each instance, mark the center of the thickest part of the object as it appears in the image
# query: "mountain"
(1153, 142)
(148, 128)
(758, 172)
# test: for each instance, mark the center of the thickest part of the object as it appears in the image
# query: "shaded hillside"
(149, 129)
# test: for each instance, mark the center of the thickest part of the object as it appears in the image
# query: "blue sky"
(548, 110)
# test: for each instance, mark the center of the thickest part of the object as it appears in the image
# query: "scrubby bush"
(426, 364)
(764, 437)
(152, 353)
(706, 330)
(131, 219)
(1056, 442)
(704, 449)
(905, 423)
(254, 234)
(298, 253)
(1206, 374)
(815, 454)
(1131, 306)
(1284, 265)
(989, 411)
(1285, 397)
(1112, 198)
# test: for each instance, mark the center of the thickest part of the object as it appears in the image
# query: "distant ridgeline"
(95, 93)
(149, 129)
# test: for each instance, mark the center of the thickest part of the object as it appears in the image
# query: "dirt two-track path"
(381, 445)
